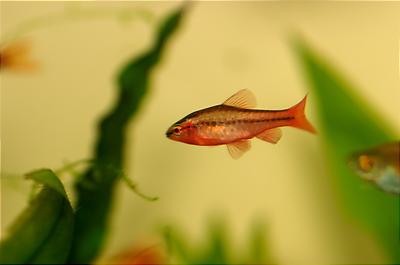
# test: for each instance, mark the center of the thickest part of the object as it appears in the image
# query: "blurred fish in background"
(380, 165)
(16, 57)
(139, 255)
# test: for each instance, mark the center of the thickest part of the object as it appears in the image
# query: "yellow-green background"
(48, 117)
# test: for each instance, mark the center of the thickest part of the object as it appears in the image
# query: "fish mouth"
(168, 133)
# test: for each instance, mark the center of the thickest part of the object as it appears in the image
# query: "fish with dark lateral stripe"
(235, 122)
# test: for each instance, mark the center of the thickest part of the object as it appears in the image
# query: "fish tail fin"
(300, 120)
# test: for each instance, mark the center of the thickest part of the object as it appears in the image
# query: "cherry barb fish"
(235, 122)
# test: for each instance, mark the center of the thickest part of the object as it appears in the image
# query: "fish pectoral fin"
(242, 99)
(271, 135)
(237, 149)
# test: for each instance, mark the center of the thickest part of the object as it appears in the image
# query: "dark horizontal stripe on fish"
(215, 123)
(187, 127)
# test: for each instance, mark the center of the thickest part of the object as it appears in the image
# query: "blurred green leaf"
(217, 249)
(176, 244)
(47, 177)
(259, 250)
(183, 252)
(348, 124)
(43, 232)
(95, 189)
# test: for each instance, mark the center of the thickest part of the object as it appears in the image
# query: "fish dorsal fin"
(242, 99)
(271, 135)
(237, 149)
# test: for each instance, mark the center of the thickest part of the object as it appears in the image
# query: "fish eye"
(177, 130)
(365, 163)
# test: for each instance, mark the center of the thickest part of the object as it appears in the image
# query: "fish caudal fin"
(272, 135)
(300, 121)
(237, 149)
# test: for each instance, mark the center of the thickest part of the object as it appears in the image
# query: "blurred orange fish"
(233, 123)
(15, 57)
(153, 255)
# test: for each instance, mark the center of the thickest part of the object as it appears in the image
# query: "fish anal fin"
(271, 135)
(237, 149)
(242, 99)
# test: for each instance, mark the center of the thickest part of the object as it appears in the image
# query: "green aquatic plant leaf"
(183, 252)
(348, 124)
(259, 252)
(95, 188)
(217, 248)
(176, 245)
(42, 234)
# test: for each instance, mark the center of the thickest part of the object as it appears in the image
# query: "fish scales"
(231, 124)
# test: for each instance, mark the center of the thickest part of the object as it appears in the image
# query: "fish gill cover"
(348, 124)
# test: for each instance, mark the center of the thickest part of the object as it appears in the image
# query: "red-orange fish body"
(233, 123)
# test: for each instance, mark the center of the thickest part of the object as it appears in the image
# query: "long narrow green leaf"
(96, 187)
(347, 125)
(42, 233)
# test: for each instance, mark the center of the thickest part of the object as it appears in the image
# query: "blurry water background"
(48, 117)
